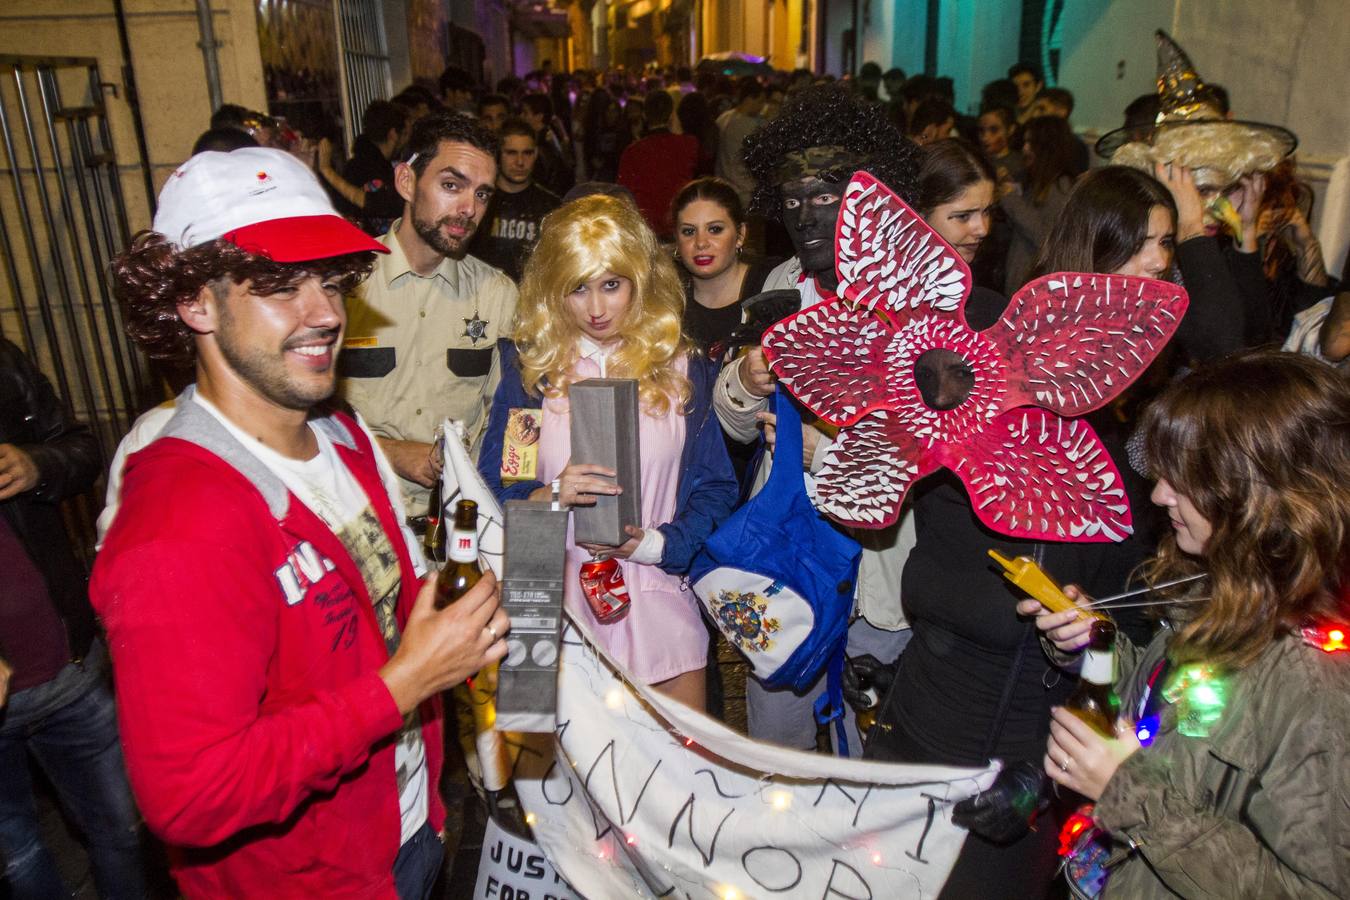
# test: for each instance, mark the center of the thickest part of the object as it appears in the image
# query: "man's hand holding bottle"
(441, 648)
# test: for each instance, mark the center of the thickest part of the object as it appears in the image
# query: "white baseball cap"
(261, 200)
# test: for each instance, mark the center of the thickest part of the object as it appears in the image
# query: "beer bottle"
(433, 541)
(866, 716)
(1094, 700)
(461, 570)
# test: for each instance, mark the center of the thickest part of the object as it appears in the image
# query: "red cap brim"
(302, 238)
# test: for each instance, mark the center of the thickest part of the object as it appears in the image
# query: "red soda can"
(602, 583)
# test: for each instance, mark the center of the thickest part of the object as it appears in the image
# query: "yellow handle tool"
(1023, 572)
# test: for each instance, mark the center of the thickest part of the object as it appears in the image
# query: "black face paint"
(810, 211)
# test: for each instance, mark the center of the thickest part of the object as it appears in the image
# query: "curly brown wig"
(151, 278)
(830, 115)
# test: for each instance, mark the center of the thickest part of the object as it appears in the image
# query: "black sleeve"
(383, 203)
(1258, 300)
(65, 451)
(376, 179)
(1305, 295)
(1215, 323)
(983, 307)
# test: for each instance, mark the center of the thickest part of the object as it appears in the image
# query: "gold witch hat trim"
(1184, 100)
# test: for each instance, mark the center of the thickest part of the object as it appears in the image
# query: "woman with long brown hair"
(710, 231)
(1227, 773)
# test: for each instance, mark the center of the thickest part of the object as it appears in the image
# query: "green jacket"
(1260, 807)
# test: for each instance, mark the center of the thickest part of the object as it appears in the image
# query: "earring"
(739, 248)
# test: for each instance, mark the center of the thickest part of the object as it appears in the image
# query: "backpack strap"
(787, 444)
(780, 403)
(829, 706)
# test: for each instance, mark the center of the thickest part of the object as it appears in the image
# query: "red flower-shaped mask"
(1067, 343)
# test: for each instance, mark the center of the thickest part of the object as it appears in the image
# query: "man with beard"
(800, 163)
(422, 329)
(277, 667)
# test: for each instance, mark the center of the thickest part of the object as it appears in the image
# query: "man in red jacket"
(657, 166)
(277, 667)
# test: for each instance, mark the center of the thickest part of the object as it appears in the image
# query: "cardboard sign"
(515, 869)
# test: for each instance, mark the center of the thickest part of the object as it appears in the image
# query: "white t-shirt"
(1306, 334)
(325, 485)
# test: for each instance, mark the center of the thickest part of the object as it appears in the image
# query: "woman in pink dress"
(601, 299)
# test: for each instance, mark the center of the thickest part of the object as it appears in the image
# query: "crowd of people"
(279, 664)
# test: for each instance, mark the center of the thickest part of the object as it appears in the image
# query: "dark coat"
(33, 417)
(1259, 807)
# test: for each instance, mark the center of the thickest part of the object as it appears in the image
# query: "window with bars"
(364, 58)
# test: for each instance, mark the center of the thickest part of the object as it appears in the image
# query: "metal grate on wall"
(364, 59)
(62, 219)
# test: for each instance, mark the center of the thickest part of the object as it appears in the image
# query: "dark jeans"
(69, 725)
(418, 864)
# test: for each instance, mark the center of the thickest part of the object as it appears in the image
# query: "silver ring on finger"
(1064, 765)
(492, 632)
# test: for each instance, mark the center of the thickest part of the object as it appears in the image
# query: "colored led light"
(1073, 828)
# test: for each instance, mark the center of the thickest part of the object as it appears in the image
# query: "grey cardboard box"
(605, 433)
(532, 595)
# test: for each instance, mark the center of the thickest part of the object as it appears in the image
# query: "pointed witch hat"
(1191, 128)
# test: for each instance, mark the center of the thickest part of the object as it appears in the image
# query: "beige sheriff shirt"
(420, 349)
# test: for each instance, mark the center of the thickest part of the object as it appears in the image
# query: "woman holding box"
(1227, 775)
(600, 299)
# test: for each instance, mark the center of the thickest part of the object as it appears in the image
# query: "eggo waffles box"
(520, 449)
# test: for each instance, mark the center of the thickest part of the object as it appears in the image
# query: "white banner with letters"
(646, 798)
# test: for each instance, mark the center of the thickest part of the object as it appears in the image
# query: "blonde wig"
(1219, 152)
(580, 241)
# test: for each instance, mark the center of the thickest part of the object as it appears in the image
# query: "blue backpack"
(777, 579)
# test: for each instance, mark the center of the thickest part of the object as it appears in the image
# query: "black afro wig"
(830, 115)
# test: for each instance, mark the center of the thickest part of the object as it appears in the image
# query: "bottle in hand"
(1094, 700)
(461, 570)
(433, 541)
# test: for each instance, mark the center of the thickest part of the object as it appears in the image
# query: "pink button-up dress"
(663, 634)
